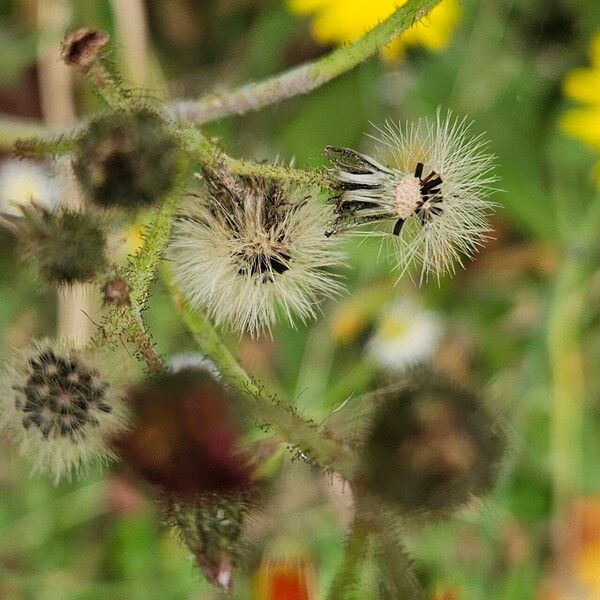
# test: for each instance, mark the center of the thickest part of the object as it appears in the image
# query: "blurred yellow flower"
(583, 86)
(342, 21)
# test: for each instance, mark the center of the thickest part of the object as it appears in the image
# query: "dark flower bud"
(127, 159)
(67, 247)
(82, 47)
(185, 438)
(211, 527)
(432, 446)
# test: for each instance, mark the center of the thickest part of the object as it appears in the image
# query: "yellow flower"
(583, 86)
(342, 21)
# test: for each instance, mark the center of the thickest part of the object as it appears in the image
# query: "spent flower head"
(127, 159)
(59, 408)
(67, 247)
(433, 192)
(432, 445)
(248, 248)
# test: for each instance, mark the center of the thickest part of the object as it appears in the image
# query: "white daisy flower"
(405, 335)
(434, 195)
(248, 249)
(24, 182)
(59, 409)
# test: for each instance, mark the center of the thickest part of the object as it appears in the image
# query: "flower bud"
(211, 527)
(185, 438)
(127, 159)
(82, 47)
(432, 446)
(67, 247)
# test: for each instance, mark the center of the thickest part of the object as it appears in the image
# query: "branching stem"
(304, 78)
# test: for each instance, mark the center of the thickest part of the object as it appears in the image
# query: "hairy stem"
(292, 428)
(304, 78)
(356, 549)
(12, 129)
(210, 156)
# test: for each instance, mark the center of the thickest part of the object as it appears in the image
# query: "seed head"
(433, 196)
(59, 409)
(248, 249)
(127, 159)
(432, 446)
(67, 247)
(185, 440)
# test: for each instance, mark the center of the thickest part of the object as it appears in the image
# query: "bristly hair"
(248, 248)
(59, 409)
(434, 196)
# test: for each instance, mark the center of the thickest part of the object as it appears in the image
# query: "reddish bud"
(185, 435)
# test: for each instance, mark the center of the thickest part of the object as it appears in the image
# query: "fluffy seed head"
(211, 527)
(127, 159)
(186, 436)
(247, 249)
(59, 409)
(67, 247)
(432, 446)
(431, 188)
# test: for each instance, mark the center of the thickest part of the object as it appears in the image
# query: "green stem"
(210, 156)
(12, 129)
(304, 78)
(568, 383)
(356, 549)
(566, 356)
(292, 428)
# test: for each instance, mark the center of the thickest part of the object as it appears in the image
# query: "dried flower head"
(249, 248)
(82, 47)
(211, 527)
(59, 408)
(127, 159)
(67, 247)
(432, 445)
(186, 435)
(434, 194)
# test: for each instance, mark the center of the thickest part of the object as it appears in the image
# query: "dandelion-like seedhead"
(127, 159)
(434, 195)
(248, 248)
(59, 409)
(432, 445)
(67, 247)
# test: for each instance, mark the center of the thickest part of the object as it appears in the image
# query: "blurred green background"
(522, 319)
